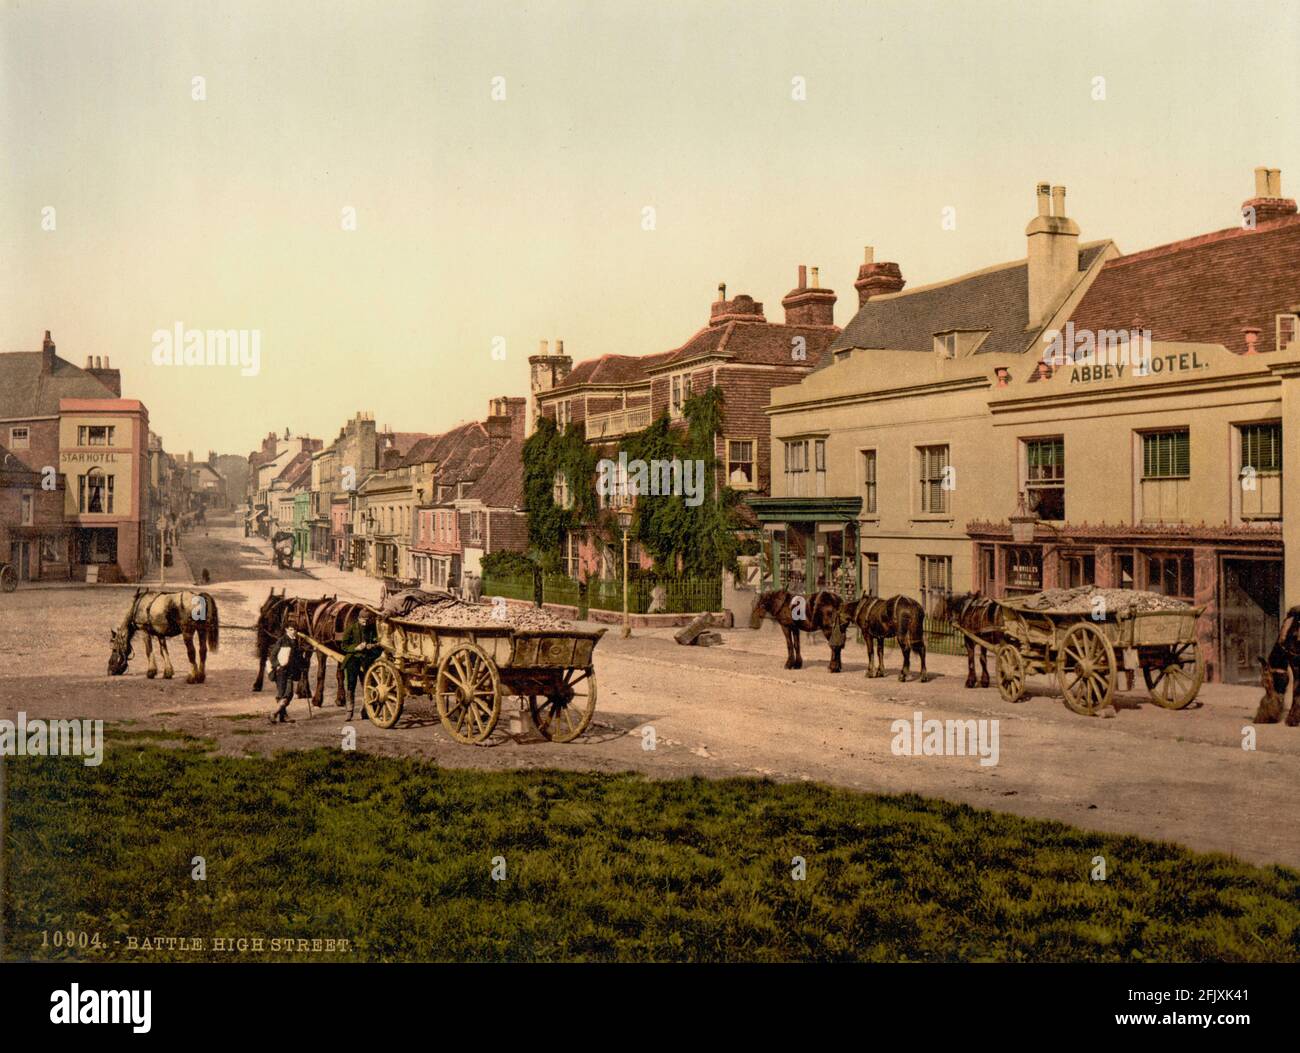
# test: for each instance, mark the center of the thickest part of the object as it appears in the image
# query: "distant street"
(721, 711)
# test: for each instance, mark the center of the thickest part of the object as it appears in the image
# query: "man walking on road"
(360, 649)
(287, 664)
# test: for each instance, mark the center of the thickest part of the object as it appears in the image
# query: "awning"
(806, 509)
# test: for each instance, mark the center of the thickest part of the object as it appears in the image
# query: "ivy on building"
(681, 539)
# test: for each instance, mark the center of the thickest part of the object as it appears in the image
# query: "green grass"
(395, 856)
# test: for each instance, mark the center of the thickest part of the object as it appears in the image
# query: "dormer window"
(957, 343)
(946, 344)
(1288, 329)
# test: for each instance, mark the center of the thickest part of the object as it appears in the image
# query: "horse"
(899, 617)
(819, 614)
(1278, 670)
(329, 622)
(979, 616)
(277, 613)
(162, 614)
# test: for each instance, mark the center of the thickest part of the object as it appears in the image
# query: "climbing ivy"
(548, 452)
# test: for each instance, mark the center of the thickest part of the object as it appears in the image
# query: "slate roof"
(1204, 290)
(996, 299)
(25, 392)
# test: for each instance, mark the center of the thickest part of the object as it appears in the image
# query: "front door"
(20, 555)
(1252, 608)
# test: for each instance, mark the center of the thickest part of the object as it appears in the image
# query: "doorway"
(1251, 612)
(20, 555)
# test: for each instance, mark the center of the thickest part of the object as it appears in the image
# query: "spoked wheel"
(8, 578)
(469, 694)
(383, 693)
(1085, 668)
(1011, 673)
(564, 714)
(1173, 682)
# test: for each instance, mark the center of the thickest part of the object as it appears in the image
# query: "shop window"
(869, 482)
(1166, 471)
(95, 492)
(1170, 574)
(1078, 568)
(935, 478)
(1260, 470)
(1024, 569)
(1045, 477)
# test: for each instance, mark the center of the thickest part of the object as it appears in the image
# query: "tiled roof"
(401, 441)
(11, 462)
(25, 392)
(293, 472)
(610, 369)
(756, 343)
(502, 484)
(996, 299)
(1202, 290)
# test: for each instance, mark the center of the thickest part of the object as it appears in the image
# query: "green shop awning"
(806, 509)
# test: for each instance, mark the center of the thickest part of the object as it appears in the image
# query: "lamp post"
(625, 521)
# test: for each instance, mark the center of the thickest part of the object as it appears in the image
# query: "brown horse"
(900, 618)
(980, 616)
(160, 615)
(277, 613)
(794, 613)
(1278, 671)
(329, 622)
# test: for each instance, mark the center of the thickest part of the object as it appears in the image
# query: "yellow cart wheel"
(468, 693)
(383, 693)
(1086, 669)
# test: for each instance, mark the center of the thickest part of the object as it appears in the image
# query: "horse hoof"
(201, 678)
(190, 679)
(985, 683)
(257, 687)
(152, 673)
(971, 683)
(168, 675)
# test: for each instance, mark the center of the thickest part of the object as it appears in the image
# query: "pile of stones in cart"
(1085, 599)
(441, 608)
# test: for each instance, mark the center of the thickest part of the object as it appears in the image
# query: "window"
(19, 438)
(1024, 569)
(935, 478)
(869, 482)
(1078, 568)
(1124, 570)
(946, 344)
(1260, 471)
(475, 527)
(679, 392)
(571, 552)
(560, 491)
(1170, 574)
(935, 579)
(1166, 470)
(796, 456)
(26, 509)
(95, 435)
(741, 469)
(563, 415)
(871, 573)
(95, 492)
(1288, 328)
(1045, 477)
(1166, 455)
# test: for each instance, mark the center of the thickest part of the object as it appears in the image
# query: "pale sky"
(523, 218)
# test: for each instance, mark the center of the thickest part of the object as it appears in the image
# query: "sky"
(484, 224)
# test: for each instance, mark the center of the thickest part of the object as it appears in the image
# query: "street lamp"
(625, 521)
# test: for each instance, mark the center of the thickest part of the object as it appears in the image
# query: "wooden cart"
(470, 670)
(1086, 654)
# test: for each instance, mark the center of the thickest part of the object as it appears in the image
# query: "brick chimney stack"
(545, 372)
(47, 355)
(505, 421)
(741, 308)
(1268, 202)
(805, 305)
(877, 279)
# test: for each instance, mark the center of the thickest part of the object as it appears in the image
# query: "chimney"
(47, 354)
(546, 371)
(809, 306)
(1053, 263)
(505, 421)
(1252, 339)
(1268, 202)
(722, 294)
(742, 308)
(876, 279)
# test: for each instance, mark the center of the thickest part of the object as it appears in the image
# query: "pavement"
(729, 710)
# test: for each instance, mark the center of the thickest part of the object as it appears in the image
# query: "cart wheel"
(382, 693)
(1085, 668)
(468, 694)
(1175, 683)
(566, 712)
(1010, 671)
(8, 578)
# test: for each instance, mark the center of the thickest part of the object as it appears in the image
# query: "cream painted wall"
(117, 460)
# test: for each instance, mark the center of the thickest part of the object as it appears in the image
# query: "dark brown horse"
(277, 613)
(329, 621)
(980, 616)
(900, 618)
(160, 615)
(1278, 671)
(795, 614)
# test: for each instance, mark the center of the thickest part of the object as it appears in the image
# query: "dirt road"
(728, 710)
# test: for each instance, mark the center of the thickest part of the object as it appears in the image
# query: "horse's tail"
(213, 622)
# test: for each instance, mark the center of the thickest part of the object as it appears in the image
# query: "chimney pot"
(868, 254)
(815, 281)
(722, 291)
(803, 277)
(543, 348)
(1044, 199)
(1252, 339)
(1058, 202)
(106, 362)
(1261, 184)
(559, 347)
(90, 362)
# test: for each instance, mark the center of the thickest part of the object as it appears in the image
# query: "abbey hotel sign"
(1112, 354)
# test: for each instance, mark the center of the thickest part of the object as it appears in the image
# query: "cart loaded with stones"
(1085, 637)
(470, 657)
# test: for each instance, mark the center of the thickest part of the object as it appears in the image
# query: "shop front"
(810, 543)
